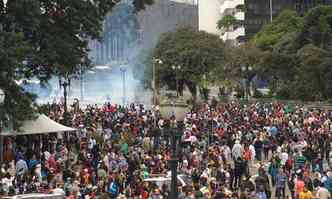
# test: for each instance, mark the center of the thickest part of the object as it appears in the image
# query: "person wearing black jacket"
(258, 144)
(311, 153)
(239, 168)
(262, 180)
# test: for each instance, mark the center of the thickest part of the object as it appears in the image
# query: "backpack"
(247, 155)
(328, 183)
(289, 163)
(114, 189)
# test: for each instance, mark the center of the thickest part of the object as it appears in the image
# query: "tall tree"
(287, 22)
(298, 54)
(41, 38)
(227, 23)
(197, 52)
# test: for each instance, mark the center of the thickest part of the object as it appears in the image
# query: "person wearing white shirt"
(59, 191)
(253, 152)
(284, 157)
(92, 143)
(237, 150)
(227, 153)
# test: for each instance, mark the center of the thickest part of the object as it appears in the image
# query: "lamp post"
(65, 84)
(81, 84)
(2, 100)
(176, 69)
(154, 62)
(271, 11)
(246, 71)
(123, 69)
(175, 131)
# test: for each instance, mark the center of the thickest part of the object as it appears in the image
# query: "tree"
(287, 22)
(42, 38)
(317, 28)
(227, 22)
(297, 54)
(197, 52)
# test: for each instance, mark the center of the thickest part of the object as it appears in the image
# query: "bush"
(284, 93)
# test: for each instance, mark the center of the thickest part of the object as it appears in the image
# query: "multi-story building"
(208, 15)
(252, 15)
(302, 6)
(126, 33)
(234, 8)
(211, 11)
(261, 12)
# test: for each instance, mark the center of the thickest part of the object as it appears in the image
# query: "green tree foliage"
(287, 22)
(298, 54)
(246, 54)
(197, 52)
(12, 53)
(42, 38)
(227, 22)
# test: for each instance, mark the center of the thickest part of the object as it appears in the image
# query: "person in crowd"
(119, 152)
(281, 179)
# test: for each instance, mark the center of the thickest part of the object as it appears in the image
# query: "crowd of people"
(258, 150)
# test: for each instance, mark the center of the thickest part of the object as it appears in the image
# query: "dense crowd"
(259, 150)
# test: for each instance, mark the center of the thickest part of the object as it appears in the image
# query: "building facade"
(211, 11)
(126, 33)
(233, 8)
(261, 12)
(302, 6)
(252, 15)
(208, 15)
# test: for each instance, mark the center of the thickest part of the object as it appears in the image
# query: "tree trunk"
(192, 88)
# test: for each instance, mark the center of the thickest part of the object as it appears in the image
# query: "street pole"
(123, 70)
(2, 100)
(65, 96)
(81, 84)
(124, 88)
(176, 69)
(1, 141)
(173, 166)
(177, 85)
(154, 62)
(271, 10)
(174, 131)
(65, 84)
(154, 83)
(245, 88)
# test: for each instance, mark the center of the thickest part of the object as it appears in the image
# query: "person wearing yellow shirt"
(305, 194)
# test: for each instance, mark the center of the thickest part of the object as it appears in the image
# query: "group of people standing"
(258, 150)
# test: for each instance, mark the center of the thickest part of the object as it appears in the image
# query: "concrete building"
(302, 6)
(126, 34)
(252, 15)
(233, 8)
(209, 14)
(211, 11)
(261, 12)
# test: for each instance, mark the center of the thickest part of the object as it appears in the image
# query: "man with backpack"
(239, 167)
(113, 189)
